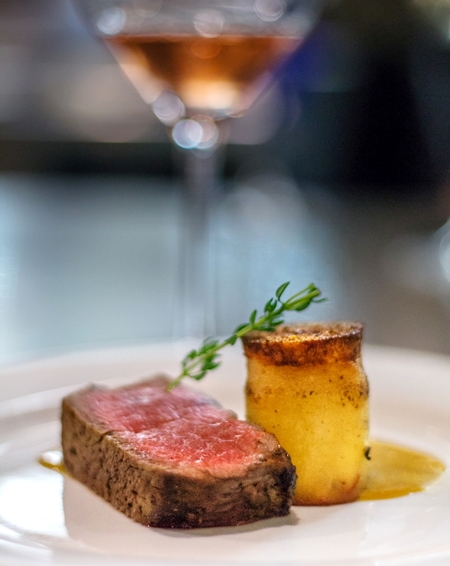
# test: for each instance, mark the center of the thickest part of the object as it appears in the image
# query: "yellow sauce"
(393, 470)
(53, 460)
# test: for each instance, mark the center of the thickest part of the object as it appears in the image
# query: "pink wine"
(210, 74)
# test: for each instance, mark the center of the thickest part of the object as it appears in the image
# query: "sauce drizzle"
(53, 460)
(393, 471)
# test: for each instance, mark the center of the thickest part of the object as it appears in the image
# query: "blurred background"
(339, 175)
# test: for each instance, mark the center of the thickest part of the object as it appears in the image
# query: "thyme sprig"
(197, 363)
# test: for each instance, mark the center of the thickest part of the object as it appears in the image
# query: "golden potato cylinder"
(306, 384)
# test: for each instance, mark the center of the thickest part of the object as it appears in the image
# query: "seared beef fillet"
(174, 459)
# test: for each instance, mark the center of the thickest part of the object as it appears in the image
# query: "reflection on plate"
(49, 518)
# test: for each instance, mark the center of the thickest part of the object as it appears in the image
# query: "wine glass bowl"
(214, 56)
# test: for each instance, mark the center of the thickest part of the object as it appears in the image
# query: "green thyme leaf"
(197, 363)
(281, 289)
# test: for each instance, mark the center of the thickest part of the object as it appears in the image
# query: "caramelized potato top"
(307, 343)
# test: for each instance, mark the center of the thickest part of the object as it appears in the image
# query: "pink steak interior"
(180, 426)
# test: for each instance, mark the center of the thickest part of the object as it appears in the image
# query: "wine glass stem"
(197, 309)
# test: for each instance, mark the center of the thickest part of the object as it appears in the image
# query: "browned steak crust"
(162, 494)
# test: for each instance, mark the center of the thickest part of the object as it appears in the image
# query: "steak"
(174, 459)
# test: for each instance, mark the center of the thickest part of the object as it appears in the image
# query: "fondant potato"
(306, 384)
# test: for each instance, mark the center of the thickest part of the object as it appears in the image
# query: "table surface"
(87, 262)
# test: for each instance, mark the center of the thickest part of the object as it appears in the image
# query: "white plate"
(46, 518)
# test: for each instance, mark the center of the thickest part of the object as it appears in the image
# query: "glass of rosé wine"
(199, 63)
